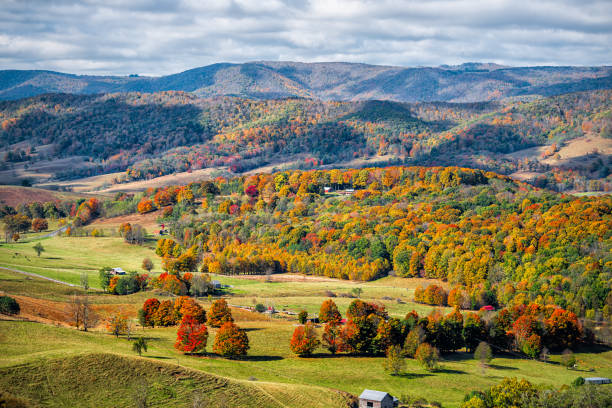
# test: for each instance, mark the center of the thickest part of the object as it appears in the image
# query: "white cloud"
(118, 37)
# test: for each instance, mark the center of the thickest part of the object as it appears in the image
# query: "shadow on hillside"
(412, 375)
(500, 367)
(449, 371)
(246, 358)
(250, 329)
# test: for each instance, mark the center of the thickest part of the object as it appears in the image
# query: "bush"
(302, 317)
(9, 306)
(260, 308)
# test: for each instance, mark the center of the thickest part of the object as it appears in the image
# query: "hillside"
(150, 135)
(498, 240)
(471, 82)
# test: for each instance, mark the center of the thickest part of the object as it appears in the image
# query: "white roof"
(373, 395)
(118, 270)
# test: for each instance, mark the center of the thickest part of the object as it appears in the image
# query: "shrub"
(428, 356)
(231, 341)
(260, 308)
(9, 306)
(304, 340)
(302, 317)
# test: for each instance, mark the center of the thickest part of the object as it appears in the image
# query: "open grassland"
(66, 258)
(270, 366)
(15, 195)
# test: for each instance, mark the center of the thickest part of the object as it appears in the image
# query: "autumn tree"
(394, 363)
(231, 341)
(191, 336)
(329, 312)
(304, 340)
(428, 356)
(219, 314)
(117, 324)
(147, 264)
(331, 337)
(39, 224)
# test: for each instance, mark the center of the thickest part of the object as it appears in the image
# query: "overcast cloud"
(169, 36)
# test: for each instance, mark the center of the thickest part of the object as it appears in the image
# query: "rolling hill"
(469, 82)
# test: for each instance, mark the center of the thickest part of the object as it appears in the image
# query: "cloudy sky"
(168, 36)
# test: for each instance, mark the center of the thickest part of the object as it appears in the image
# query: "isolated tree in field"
(219, 314)
(39, 224)
(304, 340)
(483, 355)
(191, 336)
(413, 340)
(302, 317)
(395, 362)
(38, 248)
(9, 305)
(139, 346)
(147, 264)
(84, 281)
(331, 337)
(117, 324)
(329, 312)
(428, 356)
(568, 360)
(231, 341)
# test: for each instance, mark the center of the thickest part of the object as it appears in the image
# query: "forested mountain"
(470, 82)
(167, 132)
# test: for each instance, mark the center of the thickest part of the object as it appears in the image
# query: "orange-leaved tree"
(219, 313)
(231, 341)
(304, 340)
(329, 312)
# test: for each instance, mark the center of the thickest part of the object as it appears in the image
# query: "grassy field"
(270, 365)
(65, 258)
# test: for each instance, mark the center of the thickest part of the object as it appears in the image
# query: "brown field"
(15, 195)
(148, 221)
(41, 171)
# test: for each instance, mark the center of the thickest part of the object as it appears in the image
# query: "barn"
(376, 399)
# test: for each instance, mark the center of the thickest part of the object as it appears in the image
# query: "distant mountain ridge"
(470, 82)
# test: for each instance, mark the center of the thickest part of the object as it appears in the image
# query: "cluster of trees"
(500, 242)
(192, 334)
(369, 330)
(431, 295)
(169, 313)
(132, 282)
(512, 392)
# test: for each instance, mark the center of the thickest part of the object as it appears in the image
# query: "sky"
(120, 37)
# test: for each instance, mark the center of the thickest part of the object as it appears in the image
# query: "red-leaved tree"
(304, 340)
(191, 336)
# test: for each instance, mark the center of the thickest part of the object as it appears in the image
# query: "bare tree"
(74, 310)
(81, 313)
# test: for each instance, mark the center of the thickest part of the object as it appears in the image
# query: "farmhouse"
(117, 271)
(376, 399)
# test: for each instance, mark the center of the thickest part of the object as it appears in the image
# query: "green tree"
(395, 362)
(302, 317)
(38, 248)
(139, 346)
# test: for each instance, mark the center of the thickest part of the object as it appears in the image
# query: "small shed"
(597, 380)
(327, 190)
(215, 284)
(117, 271)
(376, 399)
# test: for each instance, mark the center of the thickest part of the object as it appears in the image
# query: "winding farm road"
(35, 275)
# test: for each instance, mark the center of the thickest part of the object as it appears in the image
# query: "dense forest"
(149, 135)
(497, 241)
